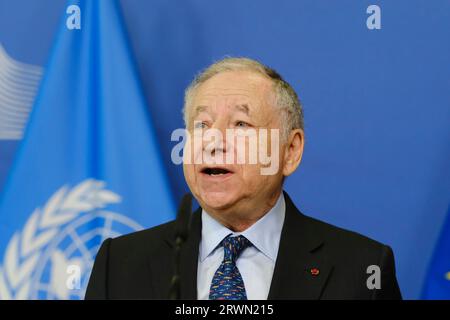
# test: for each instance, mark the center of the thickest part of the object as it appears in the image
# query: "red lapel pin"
(314, 272)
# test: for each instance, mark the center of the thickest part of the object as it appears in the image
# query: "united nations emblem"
(51, 258)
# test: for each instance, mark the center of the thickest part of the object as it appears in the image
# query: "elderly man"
(247, 240)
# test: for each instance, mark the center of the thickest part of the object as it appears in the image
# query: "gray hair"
(285, 96)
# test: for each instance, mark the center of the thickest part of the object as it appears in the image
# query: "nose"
(215, 140)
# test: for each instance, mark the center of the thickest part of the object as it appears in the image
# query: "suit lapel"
(300, 271)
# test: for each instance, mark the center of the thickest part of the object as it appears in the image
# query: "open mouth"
(215, 171)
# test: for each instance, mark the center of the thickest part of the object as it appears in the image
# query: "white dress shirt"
(256, 263)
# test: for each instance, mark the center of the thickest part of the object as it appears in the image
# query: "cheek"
(251, 176)
(189, 174)
(192, 151)
(254, 180)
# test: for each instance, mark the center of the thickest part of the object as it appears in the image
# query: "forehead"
(233, 88)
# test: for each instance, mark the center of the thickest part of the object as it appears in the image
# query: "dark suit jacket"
(140, 265)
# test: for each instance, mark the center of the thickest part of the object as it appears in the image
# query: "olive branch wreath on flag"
(24, 249)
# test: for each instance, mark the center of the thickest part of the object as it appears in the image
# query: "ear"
(294, 151)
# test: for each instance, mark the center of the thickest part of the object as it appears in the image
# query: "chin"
(217, 200)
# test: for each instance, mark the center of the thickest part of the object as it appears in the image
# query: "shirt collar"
(264, 234)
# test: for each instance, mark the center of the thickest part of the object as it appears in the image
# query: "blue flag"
(88, 167)
(437, 283)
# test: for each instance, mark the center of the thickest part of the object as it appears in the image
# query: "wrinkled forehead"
(245, 92)
(228, 105)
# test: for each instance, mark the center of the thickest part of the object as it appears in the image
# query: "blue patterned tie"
(227, 283)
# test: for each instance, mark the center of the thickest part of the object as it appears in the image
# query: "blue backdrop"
(377, 102)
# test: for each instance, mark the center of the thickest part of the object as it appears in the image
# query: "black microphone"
(182, 224)
(183, 219)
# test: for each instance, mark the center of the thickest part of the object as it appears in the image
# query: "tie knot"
(233, 246)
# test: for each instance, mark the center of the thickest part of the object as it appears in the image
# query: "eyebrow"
(243, 108)
(200, 109)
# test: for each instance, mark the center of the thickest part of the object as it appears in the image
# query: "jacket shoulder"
(147, 239)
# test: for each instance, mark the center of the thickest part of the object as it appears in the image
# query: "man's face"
(232, 100)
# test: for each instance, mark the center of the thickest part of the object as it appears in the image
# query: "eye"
(200, 124)
(242, 124)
